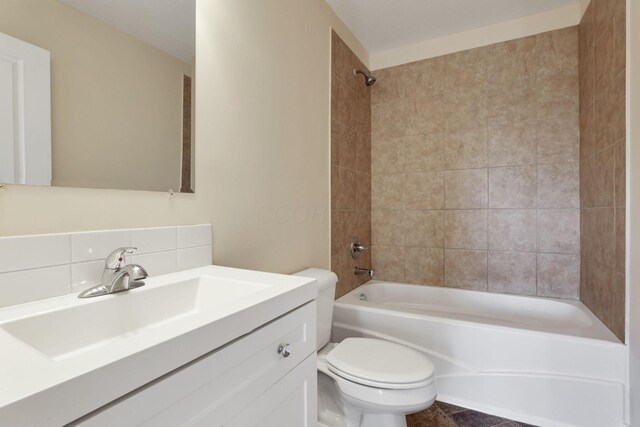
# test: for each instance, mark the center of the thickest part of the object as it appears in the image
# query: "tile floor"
(444, 415)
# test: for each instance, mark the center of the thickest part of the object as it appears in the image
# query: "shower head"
(369, 80)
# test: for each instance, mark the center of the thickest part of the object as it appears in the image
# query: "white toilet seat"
(380, 364)
(391, 398)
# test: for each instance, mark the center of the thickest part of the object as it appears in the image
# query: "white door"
(25, 113)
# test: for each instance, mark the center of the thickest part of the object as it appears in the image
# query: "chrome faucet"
(117, 276)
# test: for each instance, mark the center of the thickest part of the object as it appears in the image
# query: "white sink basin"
(81, 354)
(63, 333)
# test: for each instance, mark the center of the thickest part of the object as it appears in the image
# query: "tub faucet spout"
(359, 271)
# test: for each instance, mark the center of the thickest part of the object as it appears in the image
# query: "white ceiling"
(382, 25)
(168, 25)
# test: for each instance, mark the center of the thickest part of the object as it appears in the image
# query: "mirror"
(97, 93)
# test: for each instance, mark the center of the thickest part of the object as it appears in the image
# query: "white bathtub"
(537, 360)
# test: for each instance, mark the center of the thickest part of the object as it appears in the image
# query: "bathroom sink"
(65, 352)
(63, 333)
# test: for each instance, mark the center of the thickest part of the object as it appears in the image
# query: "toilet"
(365, 382)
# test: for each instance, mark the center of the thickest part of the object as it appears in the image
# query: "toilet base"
(387, 420)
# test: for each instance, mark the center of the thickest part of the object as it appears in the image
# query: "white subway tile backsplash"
(43, 266)
(85, 275)
(194, 257)
(28, 252)
(157, 263)
(194, 235)
(149, 240)
(96, 245)
(31, 285)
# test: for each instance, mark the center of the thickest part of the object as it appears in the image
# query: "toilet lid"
(379, 363)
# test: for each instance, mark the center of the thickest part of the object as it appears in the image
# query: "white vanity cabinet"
(246, 383)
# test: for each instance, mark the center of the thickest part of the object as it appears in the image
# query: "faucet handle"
(116, 259)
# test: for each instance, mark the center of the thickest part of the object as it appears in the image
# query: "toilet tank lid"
(325, 278)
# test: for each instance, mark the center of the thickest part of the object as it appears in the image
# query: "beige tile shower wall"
(475, 169)
(350, 165)
(603, 156)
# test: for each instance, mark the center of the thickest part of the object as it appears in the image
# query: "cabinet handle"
(283, 349)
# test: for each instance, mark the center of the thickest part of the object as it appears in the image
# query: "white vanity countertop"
(54, 380)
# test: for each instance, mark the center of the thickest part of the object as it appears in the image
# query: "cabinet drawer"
(219, 382)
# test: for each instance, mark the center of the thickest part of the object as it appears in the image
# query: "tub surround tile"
(512, 272)
(389, 85)
(354, 192)
(424, 114)
(559, 231)
(466, 149)
(512, 230)
(465, 229)
(424, 153)
(557, 96)
(389, 262)
(620, 178)
(620, 240)
(512, 144)
(387, 228)
(498, 168)
(424, 228)
(346, 146)
(557, 53)
(347, 192)
(466, 189)
(424, 77)
(587, 133)
(511, 101)
(513, 187)
(424, 190)
(363, 191)
(388, 120)
(388, 157)
(465, 269)
(559, 185)
(425, 266)
(555, 273)
(387, 191)
(599, 222)
(512, 60)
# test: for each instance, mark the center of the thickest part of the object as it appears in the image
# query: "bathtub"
(541, 361)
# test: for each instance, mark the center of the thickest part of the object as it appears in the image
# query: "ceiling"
(382, 25)
(168, 25)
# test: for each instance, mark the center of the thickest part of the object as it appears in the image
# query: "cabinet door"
(292, 402)
(222, 384)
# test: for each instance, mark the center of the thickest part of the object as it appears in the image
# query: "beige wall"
(262, 138)
(116, 101)
(603, 160)
(350, 165)
(475, 168)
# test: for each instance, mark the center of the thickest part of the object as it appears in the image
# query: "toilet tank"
(326, 294)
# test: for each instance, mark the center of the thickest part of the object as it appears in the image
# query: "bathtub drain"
(363, 297)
